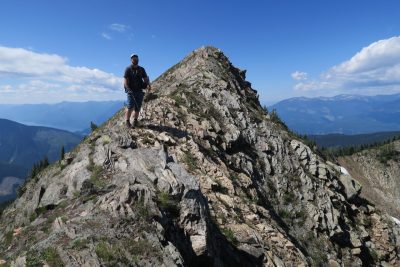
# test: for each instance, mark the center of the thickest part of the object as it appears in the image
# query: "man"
(136, 80)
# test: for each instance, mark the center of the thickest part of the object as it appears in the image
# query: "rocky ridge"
(211, 180)
(380, 178)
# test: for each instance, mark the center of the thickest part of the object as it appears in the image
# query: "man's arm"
(146, 80)
(126, 84)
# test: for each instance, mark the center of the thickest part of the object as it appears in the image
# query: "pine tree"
(93, 126)
(62, 153)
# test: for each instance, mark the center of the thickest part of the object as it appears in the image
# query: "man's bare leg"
(136, 116)
(128, 113)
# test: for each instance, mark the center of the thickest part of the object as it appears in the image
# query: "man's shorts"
(135, 100)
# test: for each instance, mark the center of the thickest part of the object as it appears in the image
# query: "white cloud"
(118, 27)
(106, 36)
(6, 89)
(313, 85)
(375, 69)
(46, 77)
(298, 75)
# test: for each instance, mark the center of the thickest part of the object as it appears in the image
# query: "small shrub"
(62, 153)
(190, 161)
(8, 238)
(386, 153)
(33, 259)
(315, 246)
(37, 213)
(93, 126)
(179, 101)
(77, 194)
(63, 204)
(95, 178)
(143, 211)
(374, 254)
(4, 205)
(275, 118)
(301, 217)
(234, 177)
(80, 244)
(167, 203)
(32, 217)
(50, 255)
(142, 248)
(283, 213)
(104, 251)
(21, 190)
(111, 254)
(289, 197)
(230, 235)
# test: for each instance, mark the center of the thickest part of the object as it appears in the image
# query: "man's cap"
(134, 55)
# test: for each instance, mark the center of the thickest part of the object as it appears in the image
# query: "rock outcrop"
(211, 179)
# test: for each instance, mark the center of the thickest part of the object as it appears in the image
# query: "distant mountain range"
(21, 146)
(342, 140)
(70, 116)
(344, 114)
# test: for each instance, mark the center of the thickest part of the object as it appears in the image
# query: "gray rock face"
(210, 180)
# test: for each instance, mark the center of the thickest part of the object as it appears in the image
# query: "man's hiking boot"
(128, 124)
(136, 123)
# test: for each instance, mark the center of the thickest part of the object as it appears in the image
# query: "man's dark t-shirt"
(135, 78)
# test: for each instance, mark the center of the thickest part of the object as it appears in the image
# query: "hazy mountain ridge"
(21, 146)
(346, 114)
(71, 116)
(24, 145)
(341, 140)
(212, 180)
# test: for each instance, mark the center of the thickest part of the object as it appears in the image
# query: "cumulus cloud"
(298, 75)
(374, 69)
(34, 75)
(118, 27)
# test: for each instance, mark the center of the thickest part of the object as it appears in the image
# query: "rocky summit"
(210, 179)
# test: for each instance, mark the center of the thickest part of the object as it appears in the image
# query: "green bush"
(8, 238)
(386, 153)
(166, 203)
(105, 251)
(80, 244)
(230, 235)
(96, 178)
(190, 161)
(274, 117)
(4, 205)
(33, 259)
(111, 254)
(93, 126)
(50, 255)
(283, 213)
(142, 248)
(36, 169)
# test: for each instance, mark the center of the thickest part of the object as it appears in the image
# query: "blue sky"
(53, 51)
